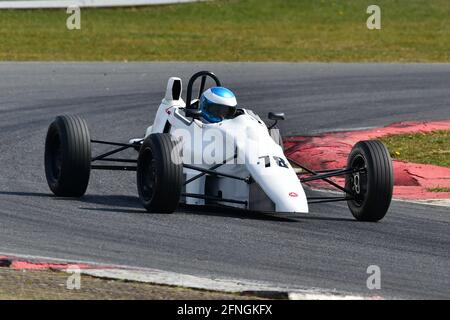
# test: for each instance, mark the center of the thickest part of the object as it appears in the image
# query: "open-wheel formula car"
(237, 162)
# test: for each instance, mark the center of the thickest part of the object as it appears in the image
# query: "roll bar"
(204, 75)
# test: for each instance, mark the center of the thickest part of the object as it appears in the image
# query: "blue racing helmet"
(217, 104)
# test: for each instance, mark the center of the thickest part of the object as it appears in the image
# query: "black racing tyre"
(160, 173)
(275, 133)
(372, 187)
(68, 156)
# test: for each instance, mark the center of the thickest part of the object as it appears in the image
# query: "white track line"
(430, 202)
(229, 285)
(83, 3)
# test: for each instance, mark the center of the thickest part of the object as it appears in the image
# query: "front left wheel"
(371, 184)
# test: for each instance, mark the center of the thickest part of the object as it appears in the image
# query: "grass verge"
(234, 30)
(439, 189)
(51, 285)
(427, 148)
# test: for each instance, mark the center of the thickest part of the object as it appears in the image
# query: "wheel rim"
(148, 176)
(358, 180)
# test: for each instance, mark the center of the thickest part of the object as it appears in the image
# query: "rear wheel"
(160, 173)
(68, 156)
(372, 184)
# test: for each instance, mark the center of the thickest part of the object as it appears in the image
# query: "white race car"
(237, 162)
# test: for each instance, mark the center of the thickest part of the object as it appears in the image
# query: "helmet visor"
(220, 111)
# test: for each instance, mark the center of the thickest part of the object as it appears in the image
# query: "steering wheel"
(204, 75)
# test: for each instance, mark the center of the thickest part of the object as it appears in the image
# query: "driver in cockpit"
(217, 104)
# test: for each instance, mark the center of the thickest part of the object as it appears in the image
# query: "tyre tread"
(380, 177)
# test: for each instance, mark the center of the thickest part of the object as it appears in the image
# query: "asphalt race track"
(323, 249)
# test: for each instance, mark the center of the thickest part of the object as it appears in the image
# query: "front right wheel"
(371, 183)
(160, 173)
